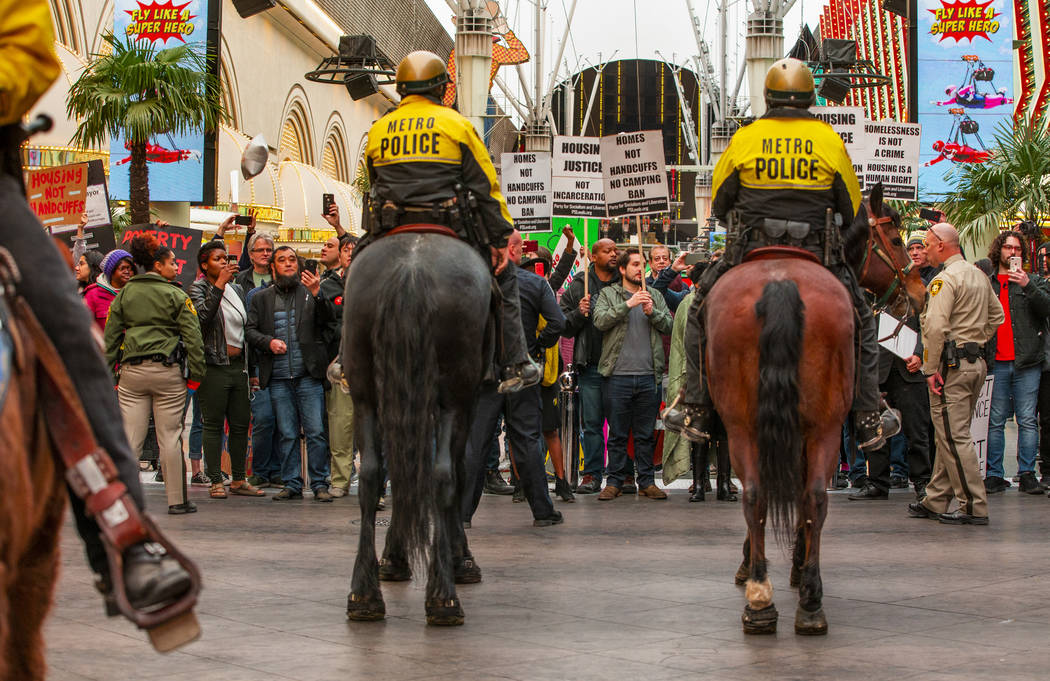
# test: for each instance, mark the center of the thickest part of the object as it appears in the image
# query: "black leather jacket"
(207, 298)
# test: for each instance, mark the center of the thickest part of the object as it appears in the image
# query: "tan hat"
(916, 237)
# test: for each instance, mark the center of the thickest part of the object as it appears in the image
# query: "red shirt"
(1004, 339)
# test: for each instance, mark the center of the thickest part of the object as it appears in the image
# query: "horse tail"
(781, 312)
(406, 369)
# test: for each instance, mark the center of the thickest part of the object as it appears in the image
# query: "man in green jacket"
(631, 364)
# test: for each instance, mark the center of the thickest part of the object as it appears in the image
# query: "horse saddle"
(422, 228)
(778, 252)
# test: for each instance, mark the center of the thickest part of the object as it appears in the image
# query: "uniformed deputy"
(427, 164)
(962, 313)
(28, 66)
(786, 164)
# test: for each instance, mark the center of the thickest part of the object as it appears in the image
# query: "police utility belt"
(393, 214)
(776, 232)
(954, 352)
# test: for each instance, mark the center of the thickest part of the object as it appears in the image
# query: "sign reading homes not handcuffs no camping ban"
(634, 174)
(526, 184)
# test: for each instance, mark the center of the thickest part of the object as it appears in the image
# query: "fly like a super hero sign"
(181, 167)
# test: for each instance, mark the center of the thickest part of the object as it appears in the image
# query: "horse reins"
(880, 248)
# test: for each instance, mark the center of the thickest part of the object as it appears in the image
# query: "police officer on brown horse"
(427, 165)
(787, 163)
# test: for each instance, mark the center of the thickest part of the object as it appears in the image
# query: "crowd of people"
(245, 352)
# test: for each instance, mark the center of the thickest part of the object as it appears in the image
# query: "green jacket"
(610, 317)
(676, 448)
(148, 317)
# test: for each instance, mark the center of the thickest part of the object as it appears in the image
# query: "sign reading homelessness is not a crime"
(634, 174)
(525, 180)
(893, 158)
(577, 177)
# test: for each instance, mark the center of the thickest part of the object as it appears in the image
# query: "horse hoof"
(444, 613)
(810, 623)
(394, 571)
(362, 609)
(796, 577)
(762, 621)
(742, 573)
(467, 572)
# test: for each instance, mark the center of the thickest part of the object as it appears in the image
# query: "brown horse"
(32, 500)
(780, 358)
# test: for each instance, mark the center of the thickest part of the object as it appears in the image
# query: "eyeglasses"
(262, 250)
(1008, 247)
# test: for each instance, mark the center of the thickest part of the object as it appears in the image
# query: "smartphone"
(530, 246)
(1015, 263)
(327, 201)
(692, 257)
(310, 266)
(930, 214)
(231, 259)
(243, 220)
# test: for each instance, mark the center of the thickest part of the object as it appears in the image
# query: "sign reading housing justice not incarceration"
(525, 180)
(576, 177)
(634, 174)
(848, 122)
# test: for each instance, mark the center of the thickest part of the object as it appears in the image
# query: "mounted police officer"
(427, 164)
(785, 179)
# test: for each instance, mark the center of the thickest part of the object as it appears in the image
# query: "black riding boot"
(519, 371)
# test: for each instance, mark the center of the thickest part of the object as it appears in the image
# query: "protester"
(286, 323)
(1017, 350)
(117, 268)
(336, 256)
(151, 337)
(88, 269)
(586, 355)
(223, 394)
(632, 364)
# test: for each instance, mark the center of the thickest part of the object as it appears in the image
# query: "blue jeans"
(1015, 392)
(298, 403)
(592, 416)
(266, 463)
(899, 456)
(631, 405)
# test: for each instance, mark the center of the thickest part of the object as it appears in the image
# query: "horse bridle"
(879, 246)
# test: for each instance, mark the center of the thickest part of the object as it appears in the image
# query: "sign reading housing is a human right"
(633, 173)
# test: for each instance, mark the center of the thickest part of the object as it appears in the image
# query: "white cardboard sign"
(634, 173)
(893, 158)
(979, 424)
(526, 184)
(848, 122)
(576, 175)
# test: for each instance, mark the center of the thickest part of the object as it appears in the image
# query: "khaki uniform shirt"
(961, 307)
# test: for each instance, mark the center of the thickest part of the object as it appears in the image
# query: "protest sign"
(848, 122)
(57, 195)
(184, 241)
(893, 158)
(577, 177)
(525, 179)
(633, 173)
(979, 424)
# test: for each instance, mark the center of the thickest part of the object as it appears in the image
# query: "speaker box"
(841, 53)
(898, 7)
(361, 85)
(248, 8)
(360, 46)
(833, 89)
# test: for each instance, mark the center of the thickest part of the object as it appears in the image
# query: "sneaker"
(322, 494)
(286, 494)
(629, 486)
(495, 484)
(1028, 484)
(199, 478)
(258, 481)
(590, 484)
(898, 482)
(993, 484)
(563, 491)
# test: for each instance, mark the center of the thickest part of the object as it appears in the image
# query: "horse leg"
(365, 601)
(798, 556)
(809, 618)
(744, 571)
(760, 615)
(442, 605)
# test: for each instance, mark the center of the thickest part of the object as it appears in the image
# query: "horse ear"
(875, 199)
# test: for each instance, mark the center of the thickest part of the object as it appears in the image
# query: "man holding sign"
(787, 163)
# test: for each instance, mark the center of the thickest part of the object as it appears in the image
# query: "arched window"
(226, 90)
(295, 137)
(65, 18)
(333, 157)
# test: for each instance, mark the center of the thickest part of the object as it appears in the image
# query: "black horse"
(415, 330)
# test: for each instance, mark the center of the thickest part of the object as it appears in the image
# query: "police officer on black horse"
(787, 163)
(428, 165)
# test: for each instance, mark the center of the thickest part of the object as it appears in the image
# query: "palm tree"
(1013, 185)
(141, 92)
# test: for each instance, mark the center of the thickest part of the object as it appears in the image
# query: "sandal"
(245, 489)
(217, 491)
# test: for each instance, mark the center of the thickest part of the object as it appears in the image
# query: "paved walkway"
(631, 588)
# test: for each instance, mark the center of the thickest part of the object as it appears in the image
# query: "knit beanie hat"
(112, 259)
(916, 237)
